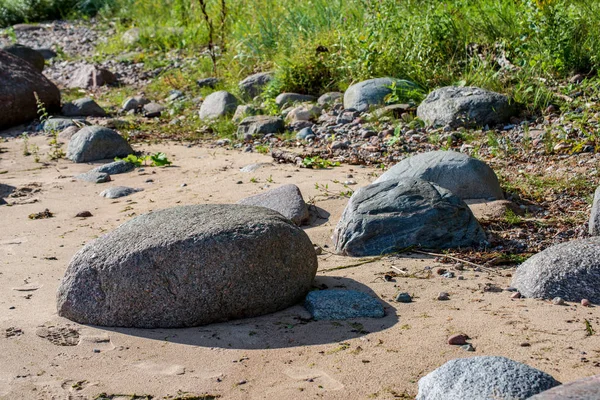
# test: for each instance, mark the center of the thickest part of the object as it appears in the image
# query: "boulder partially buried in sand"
(189, 266)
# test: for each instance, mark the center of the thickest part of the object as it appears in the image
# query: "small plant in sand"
(319, 163)
(157, 160)
(26, 151)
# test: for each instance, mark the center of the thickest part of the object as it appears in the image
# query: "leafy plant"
(160, 160)
(157, 160)
(319, 163)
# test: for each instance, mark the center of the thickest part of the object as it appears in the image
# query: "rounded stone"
(33, 57)
(582, 389)
(218, 104)
(372, 92)
(97, 143)
(189, 266)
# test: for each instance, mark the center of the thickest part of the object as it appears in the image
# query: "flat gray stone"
(568, 270)
(89, 76)
(134, 103)
(372, 92)
(119, 191)
(290, 98)
(466, 177)
(484, 378)
(97, 143)
(208, 82)
(389, 216)
(189, 266)
(94, 177)
(58, 124)
(582, 389)
(337, 304)
(465, 106)
(152, 110)
(594, 223)
(115, 168)
(85, 107)
(286, 200)
(218, 104)
(260, 125)
(253, 167)
(253, 85)
(33, 57)
(329, 98)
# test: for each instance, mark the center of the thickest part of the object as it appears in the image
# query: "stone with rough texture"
(342, 304)
(329, 98)
(28, 54)
(119, 191)
(253, 85)
(89, 76)
(97, 143)
(484, 378)
(260, 125)
(218, 104)
(94, 177)
(59, 124)
(208, 82)
(290, 98)
(286, 200)
(18, 82)
(85, 107)
(372, 92)
(465, 106)
(244, 111)
(115, 168)
(594, 223)
(67, 133)
(582, 389)
(568, 270)
(388, 216)
(303, 113)
(189, 266)
(466, 177)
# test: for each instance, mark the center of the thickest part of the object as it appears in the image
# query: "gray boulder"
(568, 270)
(59, 124)
(134, 103)
(342, 304)
(484, 378)
(253, 85)
(85, 107)
(259, 125)
(119, 191)
(18, 83)
(152, 110)
(372, 92)
(465, 106)
(115, 168)
(28, 54)
(94, 177)
(218, 104)
(97, 143)
(594, 223)
(582, 389)
(290, 98)
(329, 98)
(388, 216)
(89, 76)
(286, 200)
(466, 177)
(244, 111)
(189, 266)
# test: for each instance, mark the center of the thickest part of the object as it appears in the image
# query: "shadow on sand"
(291, 327)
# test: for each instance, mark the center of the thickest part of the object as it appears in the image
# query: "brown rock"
(458, 340)
(84, 214)
(18, 82)
(90, 76)
(585, 302)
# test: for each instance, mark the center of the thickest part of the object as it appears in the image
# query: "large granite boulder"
(484, 378)
(28, 54)
(189, 266)
(18, 83)
(568, 270)
(259, 125)
(391, 215)
(372, 92)
(286, 200)
(594, 222)
(466, 177)
(84, 107)
(97, 143)
(465, 106)
(253, 85)
(218, 104)
(290, 98)
(582, 389)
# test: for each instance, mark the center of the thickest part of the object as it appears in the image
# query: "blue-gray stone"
(568, 270)
(97, 143)
(466, 177)
(484, 378)
(372, 92)
(115, 168)
(253, 85)
(85, 107)
(259, 125)
(286, 200)
(58, 124)
(342, 304)
(404, 298)
(118, 191)
(392, 215)
(94, 177)
(304, 134)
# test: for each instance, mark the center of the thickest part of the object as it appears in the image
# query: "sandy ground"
(283, 355)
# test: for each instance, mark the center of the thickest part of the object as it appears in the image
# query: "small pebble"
(443, 296)
(510, 289)
(558, 301)
(183, 184)
(11, 308)
(149, 180)
(468, 347)
(448, 274)
(83, 214)
(525, 344)
(585, 303)
(458, 340)
(461, 278)
(404, 298)
(515, 295)
(239, 182)
(96, 351)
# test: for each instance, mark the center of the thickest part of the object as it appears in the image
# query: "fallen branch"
(455, 259)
